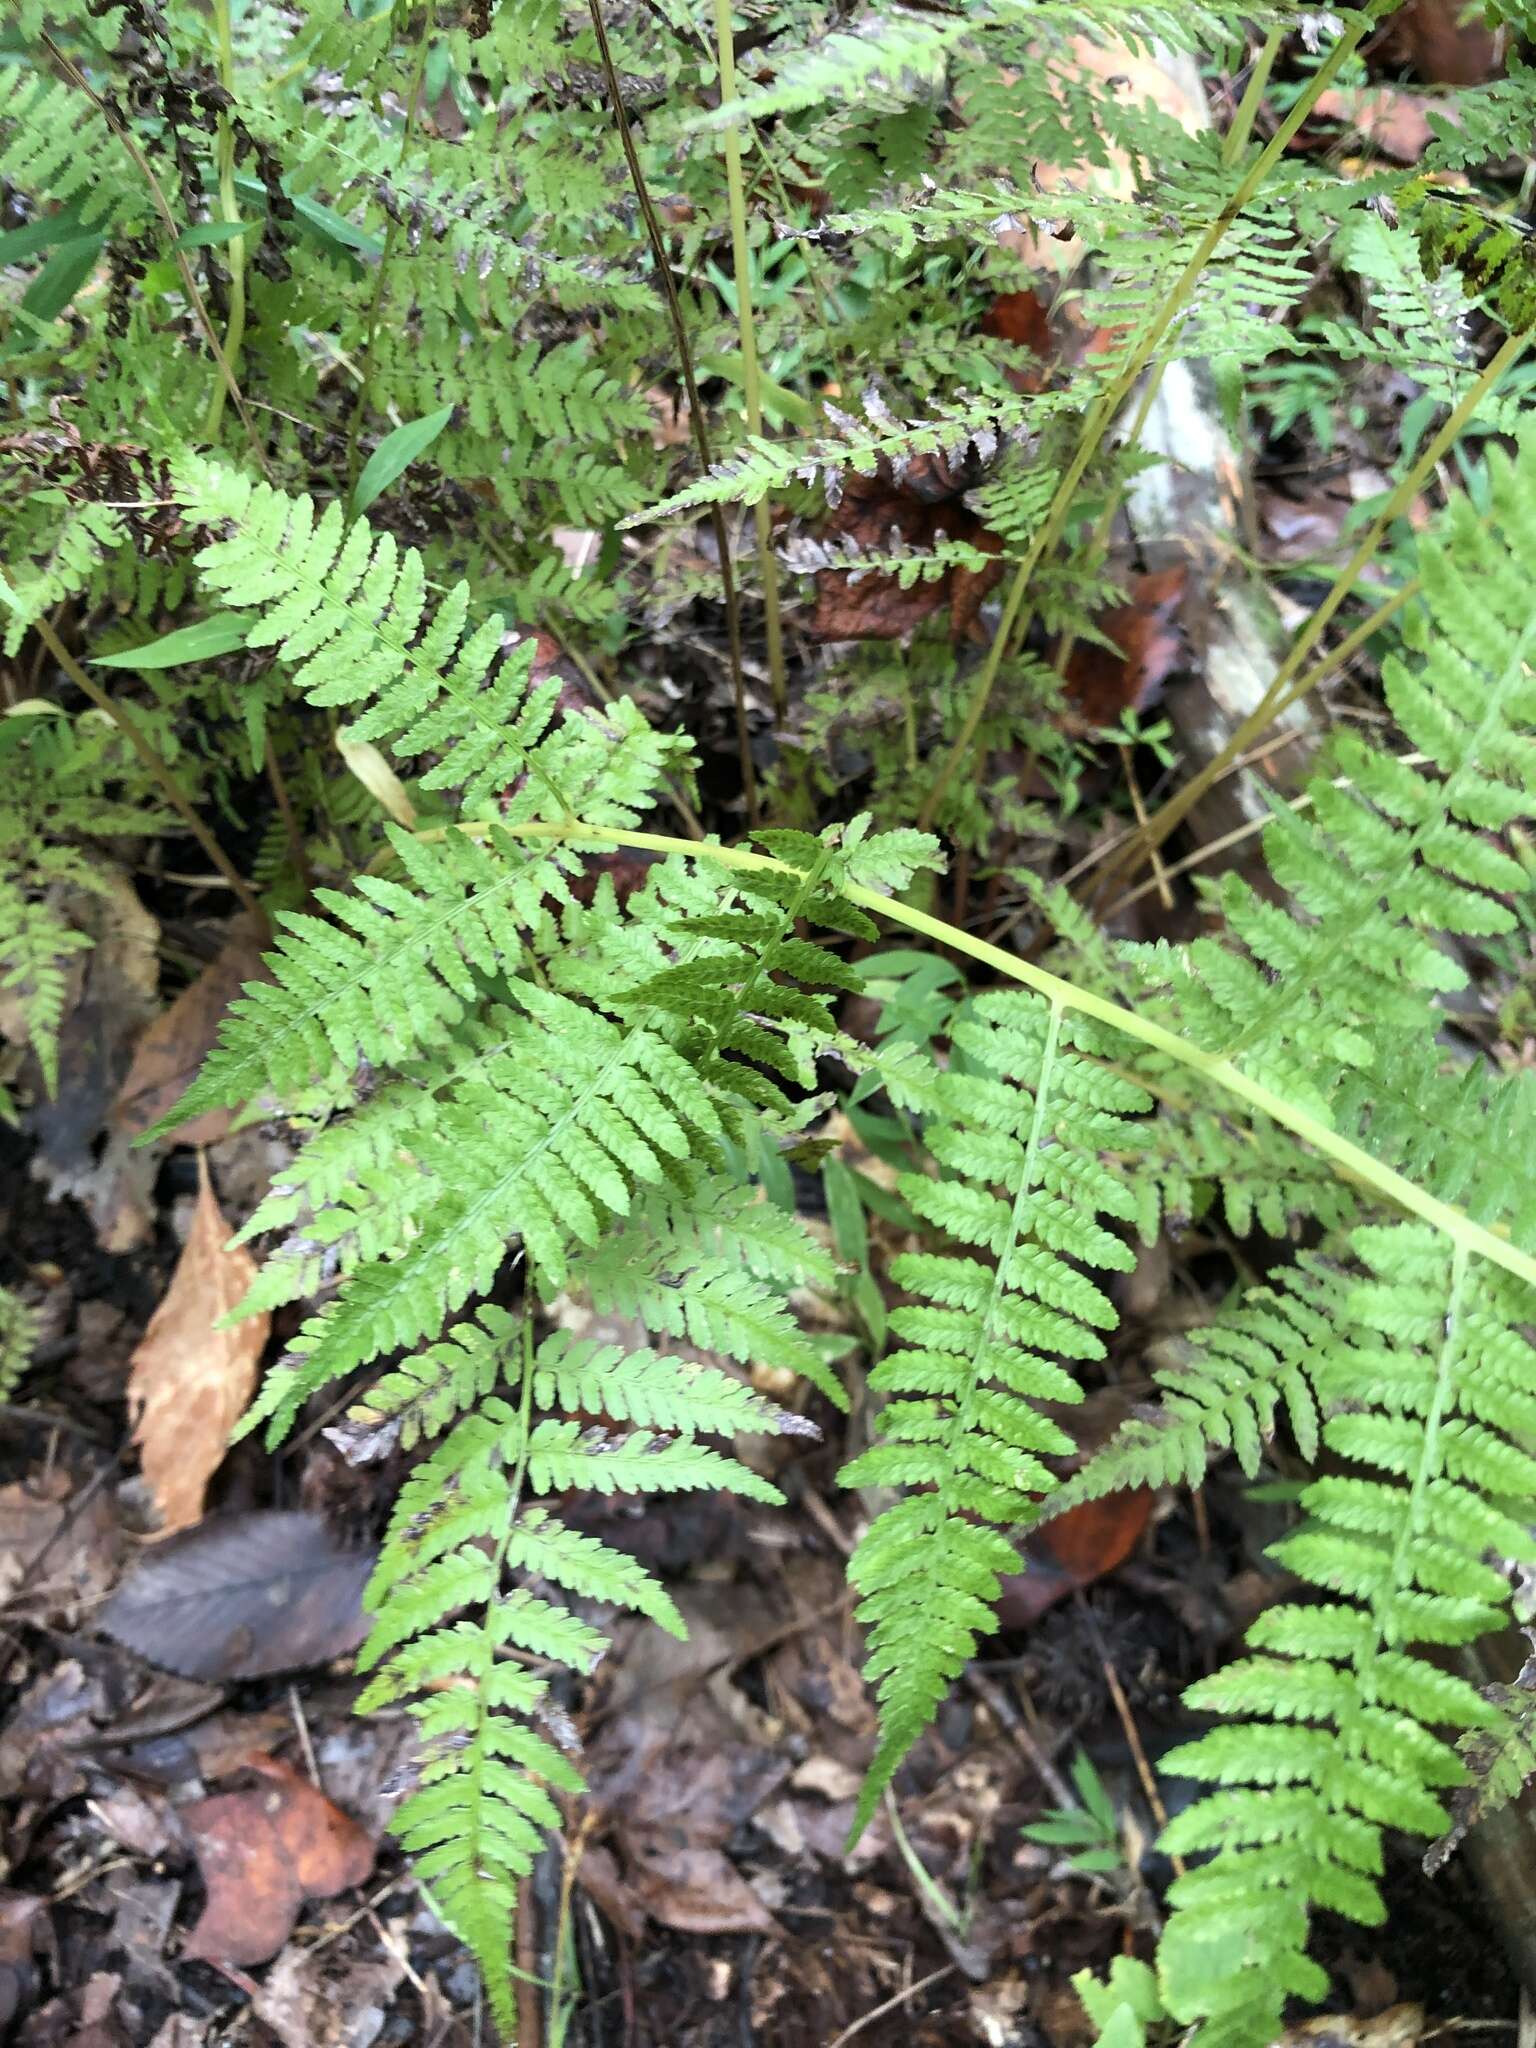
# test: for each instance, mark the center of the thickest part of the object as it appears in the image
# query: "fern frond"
(1021, 1139)
(1349, 1745)
(18, 1334)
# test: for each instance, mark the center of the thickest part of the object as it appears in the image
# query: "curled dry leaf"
(263, 1852)
(176, 1043)
(190, 1380)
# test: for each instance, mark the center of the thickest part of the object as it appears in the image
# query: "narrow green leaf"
(61, 277)
(395, 453)
(209, 233)
(221, 634)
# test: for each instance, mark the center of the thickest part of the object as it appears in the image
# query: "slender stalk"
(381, 276)
(128, 726)
(1104, 410)
(1218, 1072)
(234, 333)
(1235, 141)
(767, 566)
(146, 170)
(700, 432)
(1283, 688)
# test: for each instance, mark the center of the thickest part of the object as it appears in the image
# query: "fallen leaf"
(58, 1554)
(320, 2001)
(1072, 1551)
(1444, 42)
(173, 1048)
(693, 1890)
(1147, 645)
(1397, 122)
(189, 1380)
(58, 1713)
(23, 1928)
(242, 1596)
(263, 1852)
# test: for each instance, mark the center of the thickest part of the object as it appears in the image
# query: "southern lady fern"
(518, 1086)
(1016, 1134)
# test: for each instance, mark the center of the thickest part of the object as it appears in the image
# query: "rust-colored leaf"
(1445, 42)
(1072, 1551)
(885, 515)
(1148, 644)
(263, 1852)
(189, 1381)
(168, 1056)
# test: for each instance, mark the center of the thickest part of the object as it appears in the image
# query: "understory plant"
(384, 382)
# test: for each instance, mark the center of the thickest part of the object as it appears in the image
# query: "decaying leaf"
(176, 1043)
(1147, 645)
(263, 1852)
(242, 1596)
(190, 1380)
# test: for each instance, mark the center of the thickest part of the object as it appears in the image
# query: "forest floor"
(192, 1820)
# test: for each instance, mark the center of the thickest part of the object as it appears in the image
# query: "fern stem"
(751, 387)
(158, 200)
(234, 333)
(1106, 408)
(1283, 688)
(1235, 141)
(1429, 1463)
(1352, 1160)
(167, 782)
(696, 423)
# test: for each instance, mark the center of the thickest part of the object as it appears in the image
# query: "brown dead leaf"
(173, 1048)
(1445, 42)
(693, 1890)
(263, 1852)
(886, 515)
(1148, 645)
(58, 1553)
(1396, 122)
(190, 1381)
(241, 1596)
(1083, 1544)
(325, 2001)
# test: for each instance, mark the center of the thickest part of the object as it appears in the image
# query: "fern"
(1347, 1744)
(18, 1335)
(962, 1429)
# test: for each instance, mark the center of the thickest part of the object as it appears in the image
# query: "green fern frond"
(1348, 1743)
(1020, 1137)
(18, 1335)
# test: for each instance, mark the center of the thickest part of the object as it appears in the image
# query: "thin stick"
(381, 276)
(1127, 1721)
(890, 2005)
(1283, 687)
(234, 333)
(169, 787)
(767, 566)
(1106, 408)
(695, 403)
(146, 170)
(1214, 1068)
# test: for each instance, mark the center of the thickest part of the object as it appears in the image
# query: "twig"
(305, 1744)
(1009, 1719)
(169, 786)
(898, 1998)
(695, 403)
(751, 391)
(1127, 1720)
(146, 170)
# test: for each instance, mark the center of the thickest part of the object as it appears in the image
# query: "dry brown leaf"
(168, 1056)
(1397, 122)
(262, 1853)
(189, 1381)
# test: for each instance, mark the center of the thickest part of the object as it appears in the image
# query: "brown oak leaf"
(189, 1381)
